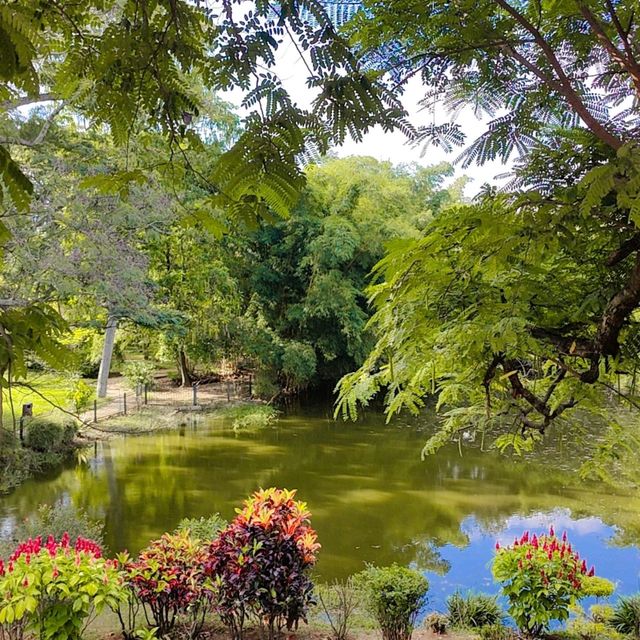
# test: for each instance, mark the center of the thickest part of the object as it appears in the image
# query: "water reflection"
(373, 499)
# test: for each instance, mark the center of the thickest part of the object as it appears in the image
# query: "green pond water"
(373, 499)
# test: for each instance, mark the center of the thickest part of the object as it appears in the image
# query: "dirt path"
(121, 399)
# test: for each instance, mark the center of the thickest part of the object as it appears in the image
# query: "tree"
(522, 306)
(305, 277)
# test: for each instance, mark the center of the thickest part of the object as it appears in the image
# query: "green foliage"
(298, 364)
(496, 631)
(626, 616)
(597, 587)
(304, 278)
(44, 435)
(138, 374)
(473, 610)
(51, 589)
(55, 520)
(541, 578)
(204, 528)
(80, 395)
(394, 596)
(250, 416)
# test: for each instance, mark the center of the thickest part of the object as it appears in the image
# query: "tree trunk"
(107, 353)
(183, 368)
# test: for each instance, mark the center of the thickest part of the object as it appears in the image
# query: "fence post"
(95, 411)
(228, 391)
(146, 389)
(250, 385)
(194, 387)
(124, 403)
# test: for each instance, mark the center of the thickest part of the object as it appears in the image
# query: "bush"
(394, 595)
(252, 416)
(80, 395)
(55, 520)
(168, 579)
(339, 601)
(138, 374)
(51, 589)
(496, 631)
(260, 563)
(597, 587)
(202, 529)
(473, 610)
(436, 623)
(626, 616)
(541, 577)
(45, 436)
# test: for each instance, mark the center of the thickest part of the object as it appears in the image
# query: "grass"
(55, 387)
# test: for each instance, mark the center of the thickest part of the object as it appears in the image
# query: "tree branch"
(627, 61)
(9, 105)
(562, 84)
(41, 134)
(625, 250)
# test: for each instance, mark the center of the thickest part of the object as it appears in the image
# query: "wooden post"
(95, 411)
(124, 403)
(194, 387)
(146, 389)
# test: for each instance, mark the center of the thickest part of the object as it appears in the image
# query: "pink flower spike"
(552, 533)
(497, 546)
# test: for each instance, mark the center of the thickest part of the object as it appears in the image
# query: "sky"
(394, 146)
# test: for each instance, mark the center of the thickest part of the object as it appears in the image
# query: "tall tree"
(520, 307)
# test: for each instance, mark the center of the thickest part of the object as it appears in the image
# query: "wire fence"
(196, 395)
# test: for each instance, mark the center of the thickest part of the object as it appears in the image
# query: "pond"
(373, 499)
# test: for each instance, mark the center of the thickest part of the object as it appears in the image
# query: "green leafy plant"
(473, 610)
(45, 435)
(541, 576)
(138, 374)
(80, 395)
(626, 616)
(394, 595)
(496, 631)
(339, 602)
(203, 529)
(55, 520)
(51, 589)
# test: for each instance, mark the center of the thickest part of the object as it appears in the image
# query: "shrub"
(436, 623)
(541, 577)
(44, 435)
(138, 374)
(339, 601)
(55, 520)
(626, 616)
(260, 563)
(168, 579)
(597, 587)
(203, 529)
(473, 610)
(394, 595)
(496, 631)
(80, 395)
(254, 417)
(51, 589)
(265, 385)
